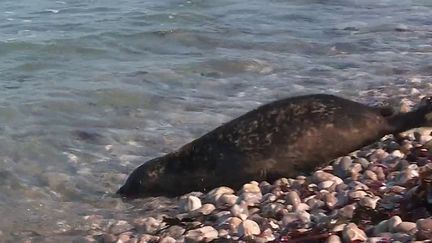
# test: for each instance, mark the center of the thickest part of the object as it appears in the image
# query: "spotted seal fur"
(284, 138)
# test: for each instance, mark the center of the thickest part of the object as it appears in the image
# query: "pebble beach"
(89, 90)
(380, 193)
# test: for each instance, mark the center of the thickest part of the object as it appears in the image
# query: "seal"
(284, 138)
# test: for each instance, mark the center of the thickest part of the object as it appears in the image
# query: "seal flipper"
(420, 117)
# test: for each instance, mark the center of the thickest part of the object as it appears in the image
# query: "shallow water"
(91, 89)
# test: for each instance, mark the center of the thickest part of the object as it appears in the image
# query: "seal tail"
(420, 117)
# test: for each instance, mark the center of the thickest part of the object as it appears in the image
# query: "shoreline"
(292, 209)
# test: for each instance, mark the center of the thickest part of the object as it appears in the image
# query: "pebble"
(227, 200)
(148, 238)
(120, 227)
(330, 200)
(342, 166)
(406, 227)
(251, 188)
(240, 210)
(167, 239)
(347, 212)
(320, 176)
(368, 174)
(393, 222)
(327, 185)
(204, 234)
(192, 203)
(125, 237)
(265, 187)
(293, 199)
(333, 239)
(214, 195)
(357, 195)
(233, 224)
(248, 228)
(352, 233)
(369, 202)
(424, 229)
(206, 209)
(148, 225)
(175, 231)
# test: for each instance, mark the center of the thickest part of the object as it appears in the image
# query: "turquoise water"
(91, 89)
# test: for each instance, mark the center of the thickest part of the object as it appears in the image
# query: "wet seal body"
(284, 138)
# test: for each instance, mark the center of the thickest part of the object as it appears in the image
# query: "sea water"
(90, 89)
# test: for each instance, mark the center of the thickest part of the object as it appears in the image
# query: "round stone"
(424, 229)
(248, 228)
(352, 233)
(214, 195)
(192, 203)
(293, 199)
(333, 239)
(204, 234)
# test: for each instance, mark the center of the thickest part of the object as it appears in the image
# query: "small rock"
(397, 153)
(191, 203)
(148, 225)
(204, 234)
(381, 227)
(227, 200)
(240, 210)
(271, 210)
(251, 198)
(424, 229)
(265, 187)
(320, 176)
(282, 182)
(352, 233)
(174, 231)
(302, 207)
(251, 188)
(333, 239)
(347, 212)
(393, 222)
(289, 218)
(214, 195)
(363, 162)
(326, 185)
(223, 233)
(248, 228)
(357, 195)
(368, 174)
(338, 228)
(342, 165)
(148, 238)
(167, 239)
(269, 198)
(206, 209)
(369, 202)
(293, 199)
(315, 203)
(330, 200)
(120, 227)
(233, 224)
(304, 217)
(406, 227)
(125, 237)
